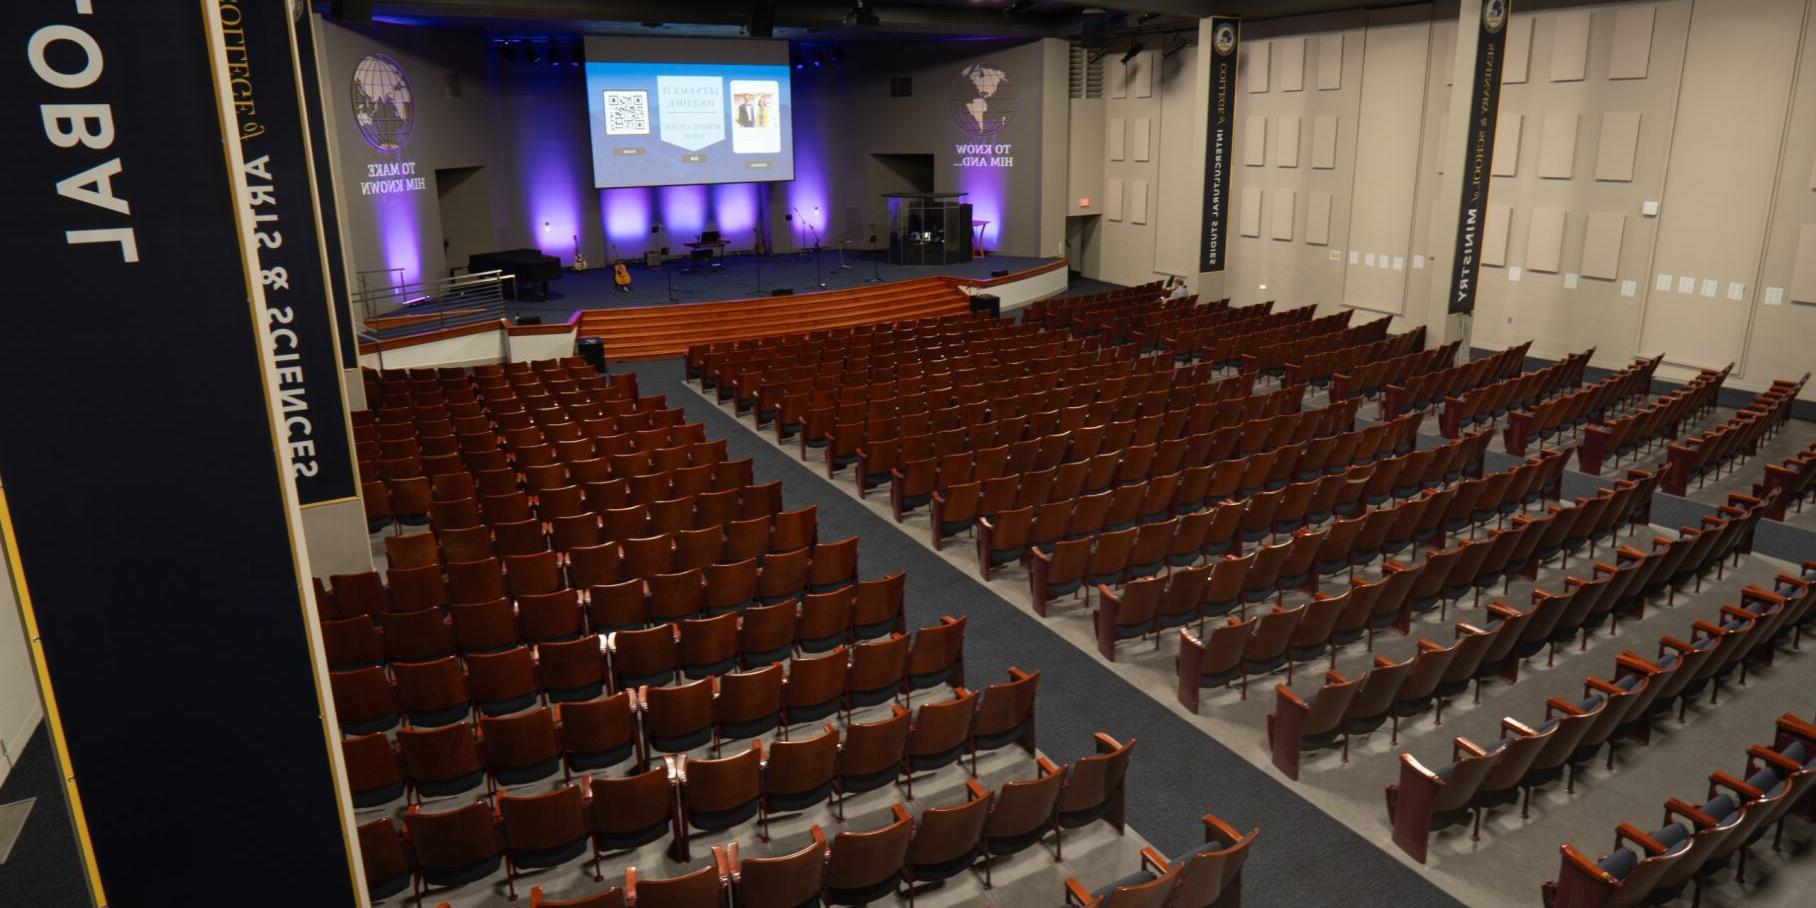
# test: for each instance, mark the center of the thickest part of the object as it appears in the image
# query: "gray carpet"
(44, 869)
(1178, 775)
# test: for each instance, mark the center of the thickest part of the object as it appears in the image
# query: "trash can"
(989, 303)
(592, 349)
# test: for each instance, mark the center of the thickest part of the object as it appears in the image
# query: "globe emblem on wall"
(982, 100)
(382, 104)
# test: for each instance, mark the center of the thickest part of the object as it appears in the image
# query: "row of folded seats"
(1389, 691)
(1794, 479)
(1487, 403)
(1573, 732)
(1568, 413)
(727, 795)
(652, 724)
(1732, 441)
(482, 608)
(1696, 841)
(1067, 552)
(1637, 432)
(454, 689)
(1232, 581)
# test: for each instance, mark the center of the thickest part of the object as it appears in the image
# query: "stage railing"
(393, 308)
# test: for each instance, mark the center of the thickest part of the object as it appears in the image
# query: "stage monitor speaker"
(529, 319)
(782, 291)
(762, 18)
(987, 303)
(1000, 272)
(351, 10)
(652, 260)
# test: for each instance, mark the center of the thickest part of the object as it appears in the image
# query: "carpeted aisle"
(45, 868)
(1304, 857)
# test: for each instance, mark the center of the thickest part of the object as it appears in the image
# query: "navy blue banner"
(1478, 153)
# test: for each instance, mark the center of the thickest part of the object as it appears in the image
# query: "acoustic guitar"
(579, 257)
(620, 274)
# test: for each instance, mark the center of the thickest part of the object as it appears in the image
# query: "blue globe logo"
(983, 100)
(383, 107)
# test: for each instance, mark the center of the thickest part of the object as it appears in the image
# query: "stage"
(738, 279)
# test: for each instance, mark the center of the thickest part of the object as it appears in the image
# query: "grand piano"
(529, 266)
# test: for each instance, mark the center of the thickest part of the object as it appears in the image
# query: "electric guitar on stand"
(621, 276)
(579, 257)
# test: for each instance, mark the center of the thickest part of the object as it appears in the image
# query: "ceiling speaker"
(762, 18)
(351, 10)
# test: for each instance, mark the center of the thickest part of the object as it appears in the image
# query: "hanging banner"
(1226, 34)
(292, 265)
(326, 199)
(152, 541)
(1478, 153)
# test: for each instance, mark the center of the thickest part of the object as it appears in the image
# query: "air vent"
(1084, 78)
(901, 86)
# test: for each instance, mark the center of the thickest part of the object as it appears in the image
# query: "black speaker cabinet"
(782, 291)
(351, 10)
(988, 303)
(529, 319)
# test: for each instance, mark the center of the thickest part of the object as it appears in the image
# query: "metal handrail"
(453, 301)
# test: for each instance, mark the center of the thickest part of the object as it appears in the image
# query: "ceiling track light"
(530, 52)
(1098, 55)
(506, 51)
(1135, 47)
(1019, 6)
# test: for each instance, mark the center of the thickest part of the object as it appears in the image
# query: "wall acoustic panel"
(1254, 70)
(1569, 46)
(1119, 79)
(1282, 215)
(1248, 221)
(1507, 145)
(1557, 146)
(1286, 147)
(1494, 235)
(1254, 142)
(1138, 201)
(1803, 274)
(1813, 174)
(1317, 219)
(1518, 51)
(1620, 140)
(1545, 240)
(1330, 62)
(1446, 36)
(1140, 137)
(1324, 142)
(1141, 76)
(1632, 43)
(1292, 64)
(1602, 244)
(1112, 206)
(1118, 136)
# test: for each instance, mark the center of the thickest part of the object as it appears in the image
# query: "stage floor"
(745, 276)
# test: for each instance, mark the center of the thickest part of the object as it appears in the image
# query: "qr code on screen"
(626, 113)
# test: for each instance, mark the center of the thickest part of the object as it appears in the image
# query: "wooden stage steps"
(657, 332)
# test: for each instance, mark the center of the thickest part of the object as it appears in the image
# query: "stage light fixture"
(1176, 44)
(861, 16)
(819, 60)
(1135, 47)
(506, 51)
(554, 55)
(530, 53)
(575, 52)
(798, 62)
(1145, 18)
(838, 55)
(1098, 55)
(1017, 7)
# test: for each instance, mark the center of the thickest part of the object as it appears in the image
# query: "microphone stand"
(876, 261)
(818, 279)
(759, 260)
(668, 274)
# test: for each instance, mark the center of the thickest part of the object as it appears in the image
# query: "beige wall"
(20, 708)
(1724, 92)
(1152, 176)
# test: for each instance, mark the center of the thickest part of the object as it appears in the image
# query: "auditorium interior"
(1206, 453)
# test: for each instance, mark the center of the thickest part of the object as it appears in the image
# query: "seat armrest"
(1515, 726)
(1075, 893)
(1463, 745)
(1675, 807)
(1154, 861)
(1555, 704)
(1596, 684)
(1719, 779)
(1630, 833)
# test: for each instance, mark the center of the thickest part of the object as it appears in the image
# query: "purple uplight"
(399, 233)
(734, 207)
(986, 188)
(683, 210)
(626, 214)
